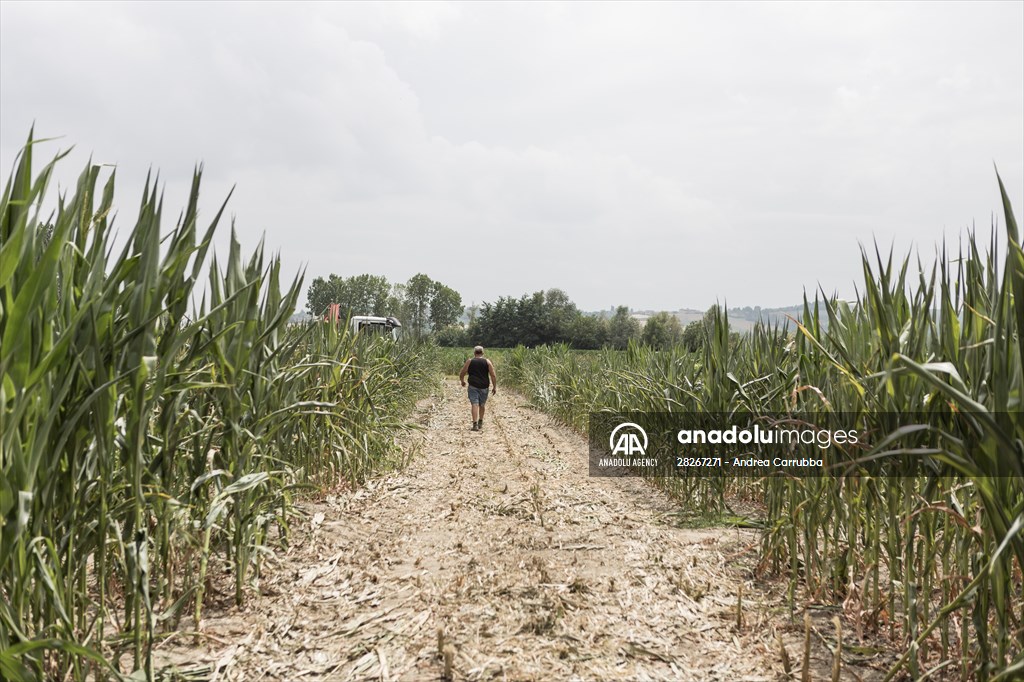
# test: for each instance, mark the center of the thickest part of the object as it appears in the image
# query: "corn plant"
(147, 436)
(934, 561)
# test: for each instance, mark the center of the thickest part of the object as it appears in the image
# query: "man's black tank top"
(479, 377)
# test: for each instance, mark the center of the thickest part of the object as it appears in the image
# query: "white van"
(371, 324)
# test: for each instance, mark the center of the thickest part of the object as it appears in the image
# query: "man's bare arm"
(494, 377)
(462, 374)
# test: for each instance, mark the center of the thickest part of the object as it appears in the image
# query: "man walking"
(481, 375)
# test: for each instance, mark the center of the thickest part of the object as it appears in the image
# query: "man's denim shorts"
(477, 396)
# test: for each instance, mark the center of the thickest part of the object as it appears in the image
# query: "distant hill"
(740, 319)
(743, 319)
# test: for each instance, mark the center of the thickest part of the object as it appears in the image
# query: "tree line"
(428, 308)
(550, 317)
(424, 306)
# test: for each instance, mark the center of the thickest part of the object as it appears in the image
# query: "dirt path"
(530, 570)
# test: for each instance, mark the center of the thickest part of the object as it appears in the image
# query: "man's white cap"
(478, 349)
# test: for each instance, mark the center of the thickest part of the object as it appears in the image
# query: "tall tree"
(693, 335)
(367, 295)
(321, 293)
(417, 303)
(662, 331)
(357, 295)
(445, 306)
(622, 328)
(560, 313)
(587, 332)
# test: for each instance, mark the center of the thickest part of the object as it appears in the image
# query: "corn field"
(149, 440)
(933, 563)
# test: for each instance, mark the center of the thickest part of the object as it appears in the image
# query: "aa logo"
(631, 441)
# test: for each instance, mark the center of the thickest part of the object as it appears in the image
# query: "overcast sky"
(655, 155)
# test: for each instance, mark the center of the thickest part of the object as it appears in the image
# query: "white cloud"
(659, 155)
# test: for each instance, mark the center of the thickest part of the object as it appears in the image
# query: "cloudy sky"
(655, 155)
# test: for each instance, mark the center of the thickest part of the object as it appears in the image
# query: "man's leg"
(474, 402)
(483, 403)
(477, 412)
